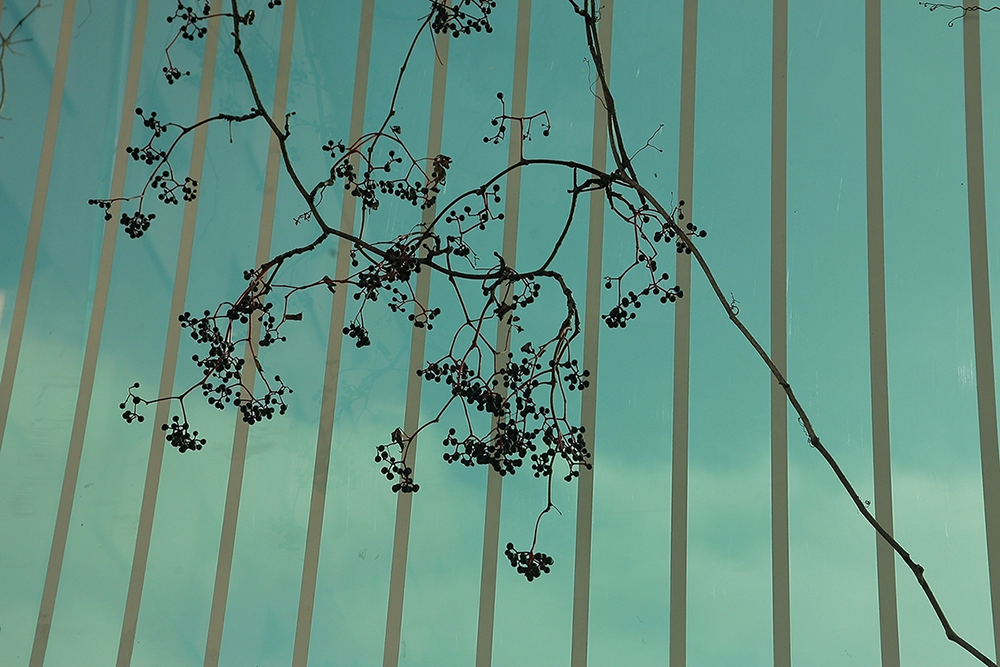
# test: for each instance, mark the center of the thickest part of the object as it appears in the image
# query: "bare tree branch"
(527, 394)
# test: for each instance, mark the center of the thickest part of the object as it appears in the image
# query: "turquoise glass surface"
(254, 551)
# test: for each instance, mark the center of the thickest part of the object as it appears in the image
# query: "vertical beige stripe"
(3, 413)
(488, 581)
(982, 328)
(37, 214)
(141, 555)
(85, 390)
(682, 349)
(494, 484)
(411, 418)
(780, 606)
(885, 557)
(591, 346)
(328, 405)
(237, 463)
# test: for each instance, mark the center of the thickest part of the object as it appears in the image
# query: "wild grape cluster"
(524, 122)
(368, 185)
(180, 435)
(462, 18)
(136, 224)
(525, 395)
(193, 26)
(530, 564)
(129, 405)
(650, 230)
(161, 180)
(522, 423)
(189, 30)
(396, 467)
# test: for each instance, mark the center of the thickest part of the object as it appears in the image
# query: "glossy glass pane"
(265, 501)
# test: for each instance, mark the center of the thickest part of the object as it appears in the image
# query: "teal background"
(937, 480)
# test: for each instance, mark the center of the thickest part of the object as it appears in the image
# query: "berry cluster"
(570, 446)
(531, 564)
(396, 467)
(424, 316)
(521, 421)
(168, 186)
(390, 273)
(397, 265)
(528, 291)
(223, 370)
(180, 435)
(620, 314)
(161, 180)
(650, 230)
(356, 330)
(136, 224)
(173, 74)
(504, 451)
(692, 230)
(190, 30)
(459, 20)
(192, 27)
(478, 219)
(367, 186)
(526, 397)
(103, 204)
(254, 410)
(129, 405)
(469, 219)
(147, 153)
(525, 122)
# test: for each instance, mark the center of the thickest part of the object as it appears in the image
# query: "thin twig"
(7, 43)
